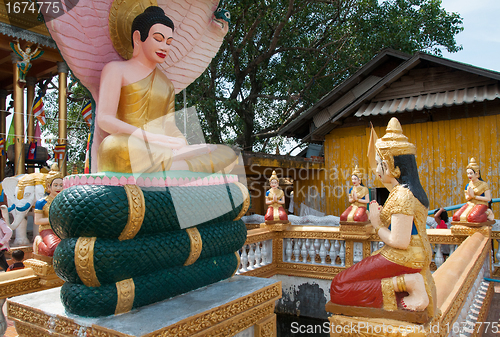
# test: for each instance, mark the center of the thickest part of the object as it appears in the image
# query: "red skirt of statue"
(281, 214)
(359, 215)
(360, 285)
(477, 214)
(49, 242)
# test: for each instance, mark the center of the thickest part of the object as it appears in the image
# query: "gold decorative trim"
(254, 238)
(388, 295)
(450, 315)
(136, 211)
(19, 287)
(234, 325)
(296, 234)
(246, 200)
(202, 322)
(84, 261)
(278, 227)
(238, 258)
(121, 15)
(349, 249)
(126, 293)
(266, 327)
(40, 268)
(461, 230)
(367, 249)
(483, 313)
(323, 272)
(196, 245)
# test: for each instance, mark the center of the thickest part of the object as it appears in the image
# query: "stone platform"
(240, 306)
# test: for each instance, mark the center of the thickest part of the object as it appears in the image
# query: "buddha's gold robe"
(149, 104)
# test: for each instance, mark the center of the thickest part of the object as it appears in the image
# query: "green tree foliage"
(77, 128)
(280, 57)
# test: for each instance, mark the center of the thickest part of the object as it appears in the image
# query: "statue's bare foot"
(417, 300)
(489, 214)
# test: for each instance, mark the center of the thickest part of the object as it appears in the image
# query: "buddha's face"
(55, 187)
(157, 45)
(473, 176)
(355, 180)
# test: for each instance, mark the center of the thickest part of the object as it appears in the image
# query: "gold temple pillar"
(62, 69)
(30, 97)
(3, 130)
(18, 95)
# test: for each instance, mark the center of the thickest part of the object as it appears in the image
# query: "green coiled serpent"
(116, 260)
(156, 259)
(100, 301)
(102, 211)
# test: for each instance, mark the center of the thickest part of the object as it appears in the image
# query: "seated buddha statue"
(136, 109)
(358, 197)
(477, 194)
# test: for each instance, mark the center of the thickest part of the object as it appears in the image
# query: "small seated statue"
(396, 278)
(275, 199)
(46, 242)
(477, 194)
(358, 197)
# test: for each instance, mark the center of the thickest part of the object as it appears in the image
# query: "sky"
(481, 35)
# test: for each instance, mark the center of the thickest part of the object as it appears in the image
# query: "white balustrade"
(342, 254)
(322, 252)
(296, 249)
(251, 257)
(255, 255)
(288, 250)
(438, 257)
(333, 253)
(244, 259)
(303, 251)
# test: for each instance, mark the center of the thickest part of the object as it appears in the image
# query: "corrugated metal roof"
(430, 100)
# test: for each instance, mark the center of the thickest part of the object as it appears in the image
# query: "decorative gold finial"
(357, 172)
(274, 177)
(394, 143)
(52, 175)
(473, 165)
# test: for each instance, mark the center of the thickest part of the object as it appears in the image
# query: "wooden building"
(24, 25)
(449, 110)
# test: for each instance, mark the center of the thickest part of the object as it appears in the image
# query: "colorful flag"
(38, 110)
(87, 156)
(38, 134)
(2, 146)
(59, 151)
(32, 150)
(87, 113)
(11, 137)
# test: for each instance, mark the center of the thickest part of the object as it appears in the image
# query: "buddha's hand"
(191, 151)
(375, 210)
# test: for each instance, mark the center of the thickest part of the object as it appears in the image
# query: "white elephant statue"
(22, 192)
